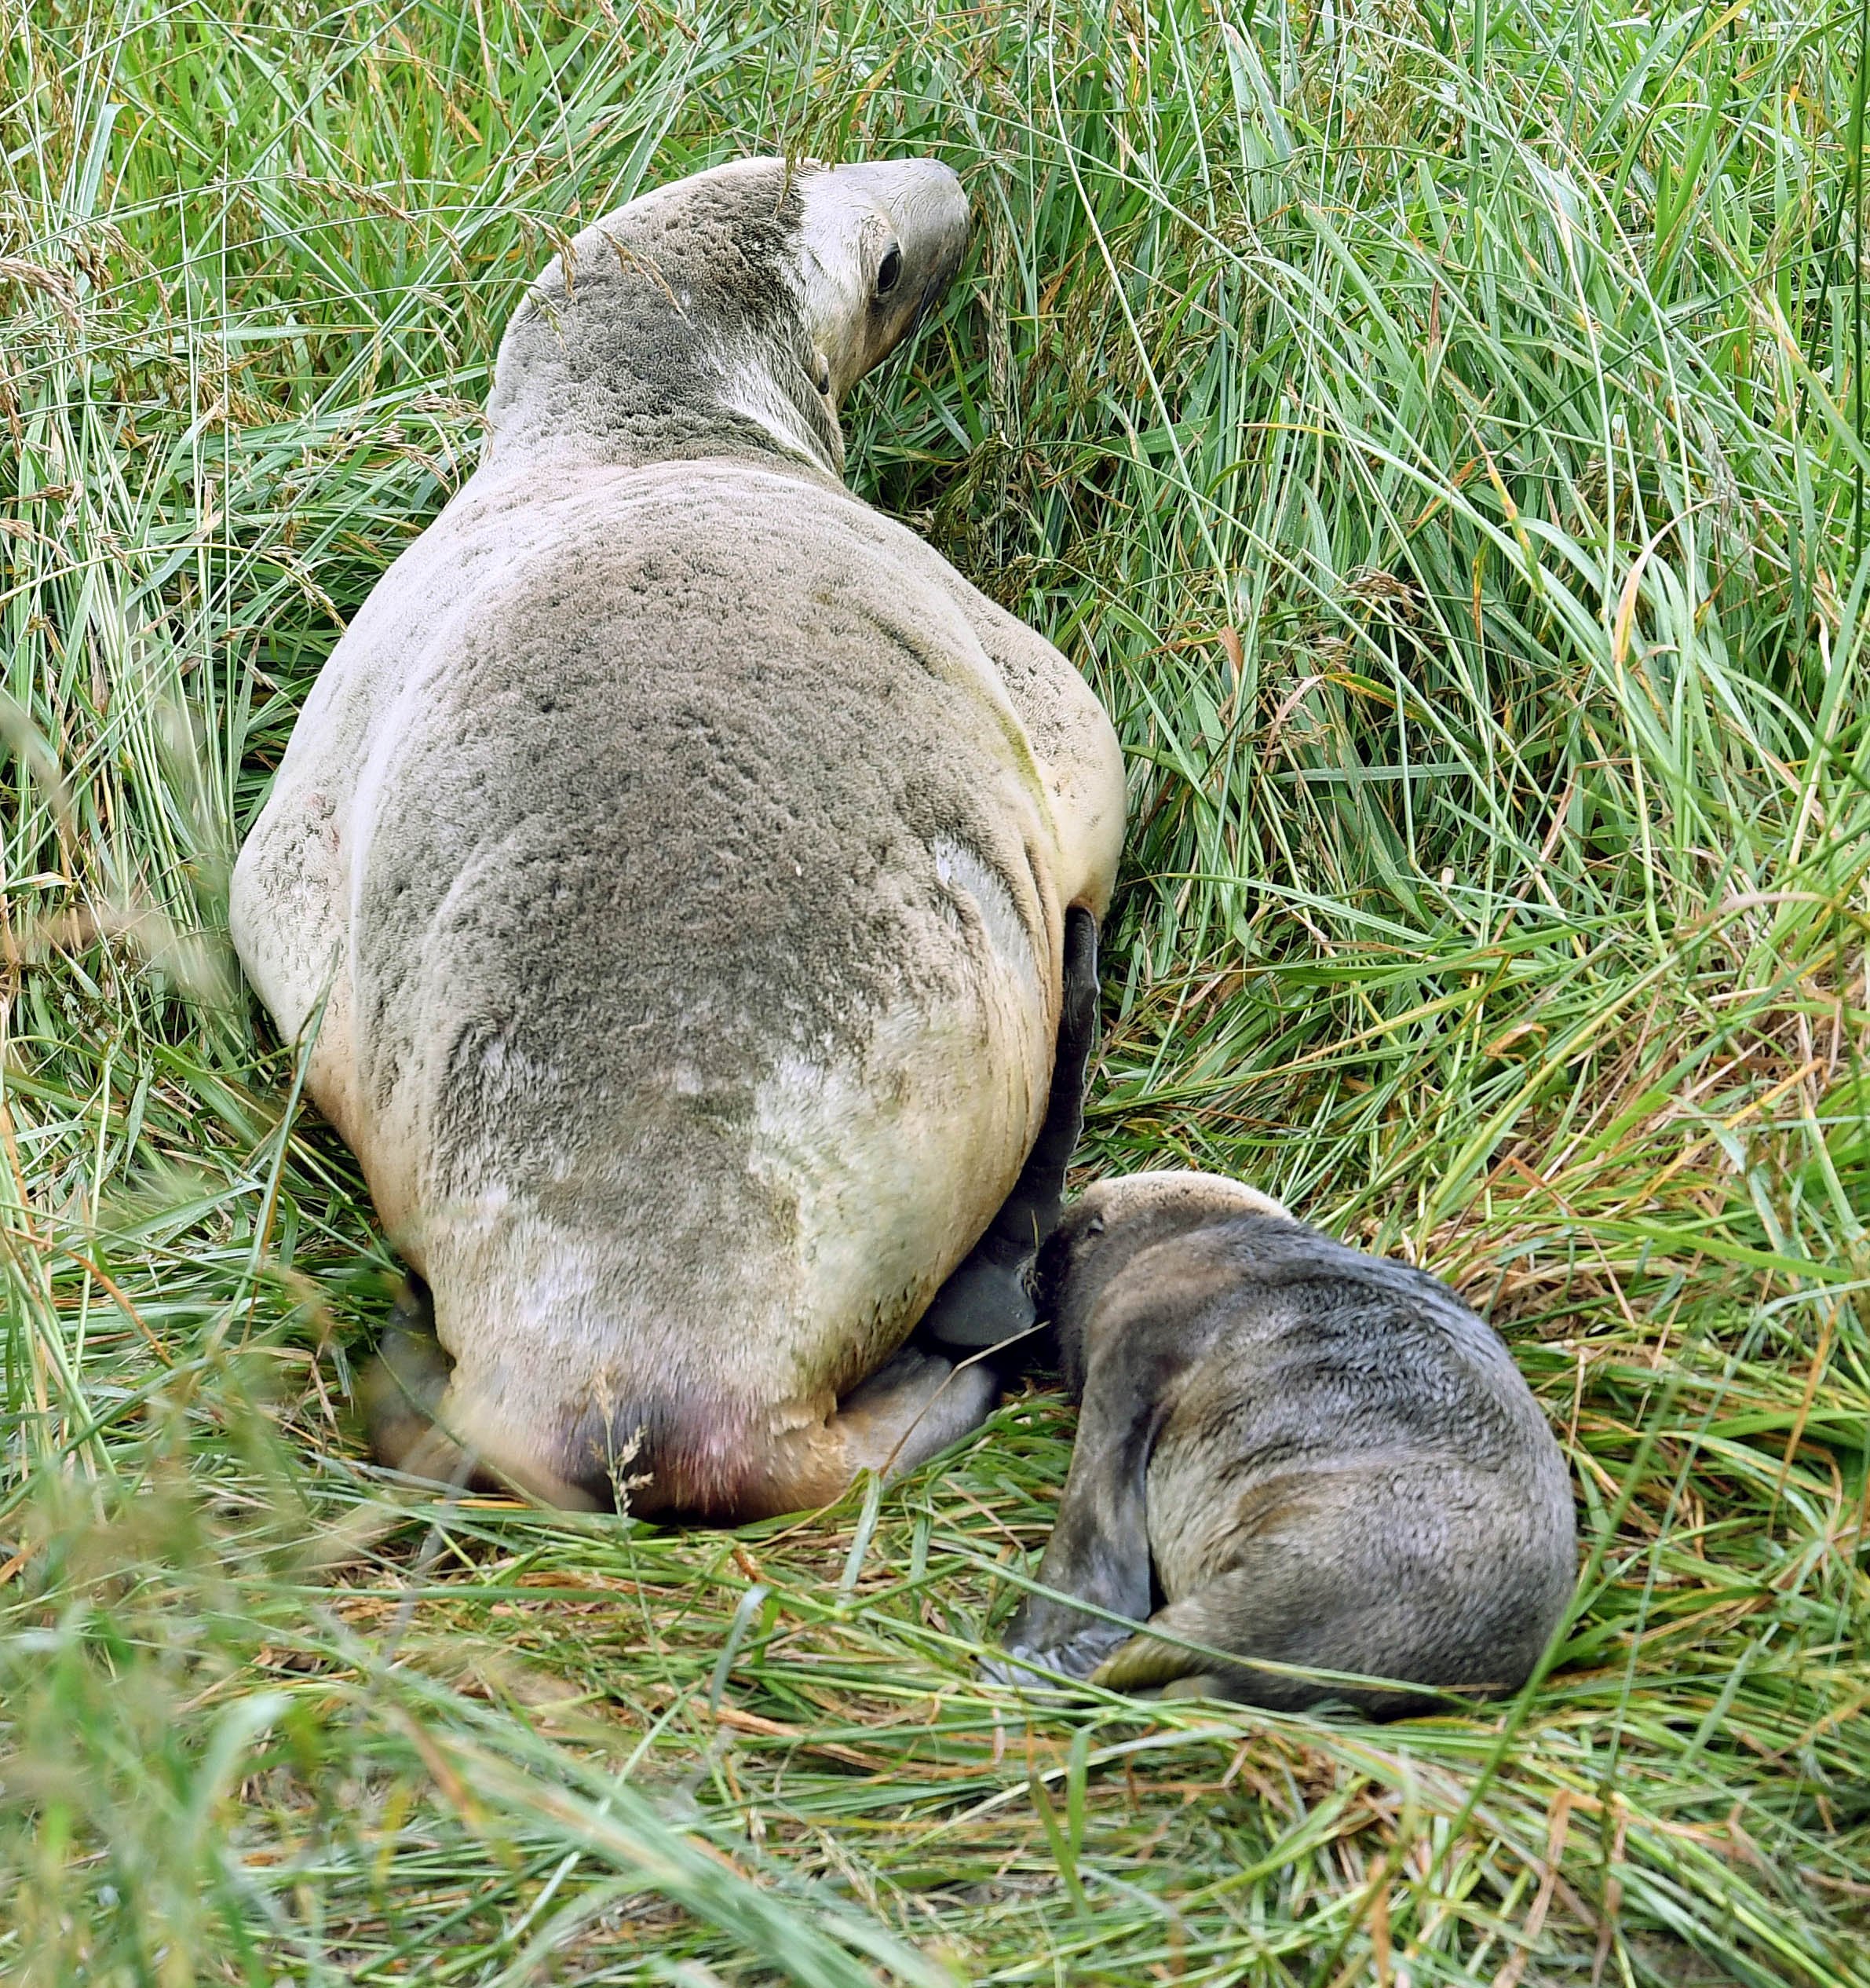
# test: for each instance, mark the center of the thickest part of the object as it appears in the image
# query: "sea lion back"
(675, 860)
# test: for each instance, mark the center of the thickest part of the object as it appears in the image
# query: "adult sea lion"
(1324, 1458)
(690, 882)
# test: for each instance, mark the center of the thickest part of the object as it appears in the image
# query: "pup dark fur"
(1325, 1460)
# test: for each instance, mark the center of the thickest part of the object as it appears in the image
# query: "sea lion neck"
(725, 314)
(668, 331)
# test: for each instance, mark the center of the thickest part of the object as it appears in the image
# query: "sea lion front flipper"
(986, 1301)
(1099, 1550)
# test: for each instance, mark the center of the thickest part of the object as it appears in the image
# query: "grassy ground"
(1438, 433)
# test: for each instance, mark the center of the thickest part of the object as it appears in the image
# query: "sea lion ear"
(821, 374)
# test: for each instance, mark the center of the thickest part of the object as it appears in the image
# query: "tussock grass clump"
(1438, 433)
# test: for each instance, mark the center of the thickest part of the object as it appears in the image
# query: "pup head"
(1105, 1229)
(727, 313)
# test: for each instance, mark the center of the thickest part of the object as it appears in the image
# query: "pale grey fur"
(1324, 1458)
(674, 857)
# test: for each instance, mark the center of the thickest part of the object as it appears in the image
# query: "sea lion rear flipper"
(1158, 1659)
(986, 1301)
(1283, 1610)
(402, 1388)
(420, 1425)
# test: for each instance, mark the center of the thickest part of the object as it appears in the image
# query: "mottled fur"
(1316, 1457)
(675, 855)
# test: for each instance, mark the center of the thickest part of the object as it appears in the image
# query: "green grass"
(1438, 431)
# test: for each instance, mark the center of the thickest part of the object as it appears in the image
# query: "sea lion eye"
(889, 270)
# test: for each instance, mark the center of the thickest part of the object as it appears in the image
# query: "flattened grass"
(1439, 434)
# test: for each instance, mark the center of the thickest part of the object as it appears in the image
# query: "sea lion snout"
(1108, 1227)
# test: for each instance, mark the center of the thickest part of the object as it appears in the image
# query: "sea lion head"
(729, 312)
(1109, 1226)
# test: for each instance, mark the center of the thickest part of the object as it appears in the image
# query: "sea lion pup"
(687, 884)
(1326, 1459)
